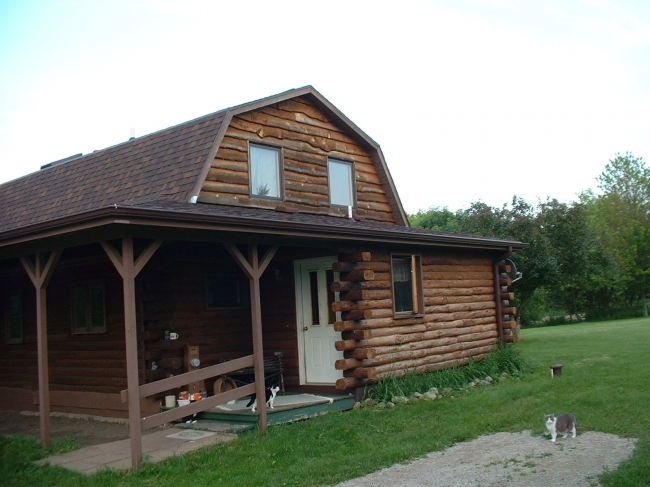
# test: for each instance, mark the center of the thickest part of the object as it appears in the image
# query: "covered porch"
(230, 337)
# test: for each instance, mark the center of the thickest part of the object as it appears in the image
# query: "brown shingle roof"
(166, 164)
(153, 178)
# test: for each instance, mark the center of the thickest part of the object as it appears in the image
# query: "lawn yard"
(605, 383)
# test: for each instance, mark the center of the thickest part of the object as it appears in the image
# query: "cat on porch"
(270, 397)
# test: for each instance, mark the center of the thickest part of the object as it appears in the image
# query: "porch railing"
(177, 381)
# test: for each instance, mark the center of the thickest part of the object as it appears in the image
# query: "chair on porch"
(273, 373)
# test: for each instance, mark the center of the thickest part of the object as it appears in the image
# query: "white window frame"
(333, 185)
(253, 179)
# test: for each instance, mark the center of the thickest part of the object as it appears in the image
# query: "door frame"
(300, 318)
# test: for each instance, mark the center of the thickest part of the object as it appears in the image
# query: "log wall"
(81, 363)
(307, 138)
(510, 329)
(173, 299)
(170, 296)
(459, 321)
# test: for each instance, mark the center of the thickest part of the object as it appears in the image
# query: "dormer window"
(341, 183)
(265, 171)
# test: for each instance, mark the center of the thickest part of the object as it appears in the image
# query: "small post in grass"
(556, 370)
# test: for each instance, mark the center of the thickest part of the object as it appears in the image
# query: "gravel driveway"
(510, 459)
(502, 459)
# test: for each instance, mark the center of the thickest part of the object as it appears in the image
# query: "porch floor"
(236, 417)
(216, 425)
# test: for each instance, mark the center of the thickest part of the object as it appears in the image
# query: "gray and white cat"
(563, 425)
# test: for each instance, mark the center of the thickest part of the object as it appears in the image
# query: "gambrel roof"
(169, 164)
(160, 175)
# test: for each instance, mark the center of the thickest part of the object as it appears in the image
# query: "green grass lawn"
(605, 383)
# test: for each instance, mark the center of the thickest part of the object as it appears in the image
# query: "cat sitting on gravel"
(564, 425)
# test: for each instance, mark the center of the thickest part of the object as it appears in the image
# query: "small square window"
(14, 319)
(88, 308)
(226, 292)
(407, 285)
(265, 172)
(341, 183)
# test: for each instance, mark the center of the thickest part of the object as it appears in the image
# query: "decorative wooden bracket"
(252, 267)
(140, 262)
(39, 274)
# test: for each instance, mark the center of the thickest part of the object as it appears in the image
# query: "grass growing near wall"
(505, 359)
(605, 382)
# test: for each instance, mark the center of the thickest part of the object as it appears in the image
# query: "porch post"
(129, 268)
(40, 277)
(254, 270)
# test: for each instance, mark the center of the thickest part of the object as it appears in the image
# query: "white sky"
(469, 99)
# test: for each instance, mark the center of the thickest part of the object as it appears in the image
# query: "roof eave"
(124, 215)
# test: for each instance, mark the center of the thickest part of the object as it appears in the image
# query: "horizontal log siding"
(177, 277)
(307, 138)
(89, 363)
(173, 299)
(459, 321)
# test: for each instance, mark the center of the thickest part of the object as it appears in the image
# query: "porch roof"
(162, 218)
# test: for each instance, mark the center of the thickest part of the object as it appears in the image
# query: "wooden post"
(254, 268)
(128, 267)
(40, 276)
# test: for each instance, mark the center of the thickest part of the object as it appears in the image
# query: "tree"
(572, 244)
(438, 218)
(622, 218)
(517, 221)
(603, 288)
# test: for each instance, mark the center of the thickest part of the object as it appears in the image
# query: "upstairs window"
(14, 319)
(407, 285)
(341, 182)
(88, 308)
(265, 171)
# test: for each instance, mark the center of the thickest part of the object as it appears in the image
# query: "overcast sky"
(469, 99)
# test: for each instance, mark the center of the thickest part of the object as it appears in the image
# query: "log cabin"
(269, 229)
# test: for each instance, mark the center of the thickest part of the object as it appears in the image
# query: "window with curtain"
(407, 285)
(265, 172)
(341, 183)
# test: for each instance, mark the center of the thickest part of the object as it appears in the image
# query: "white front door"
(316, 334)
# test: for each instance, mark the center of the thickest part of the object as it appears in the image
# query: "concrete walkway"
(156, 446)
